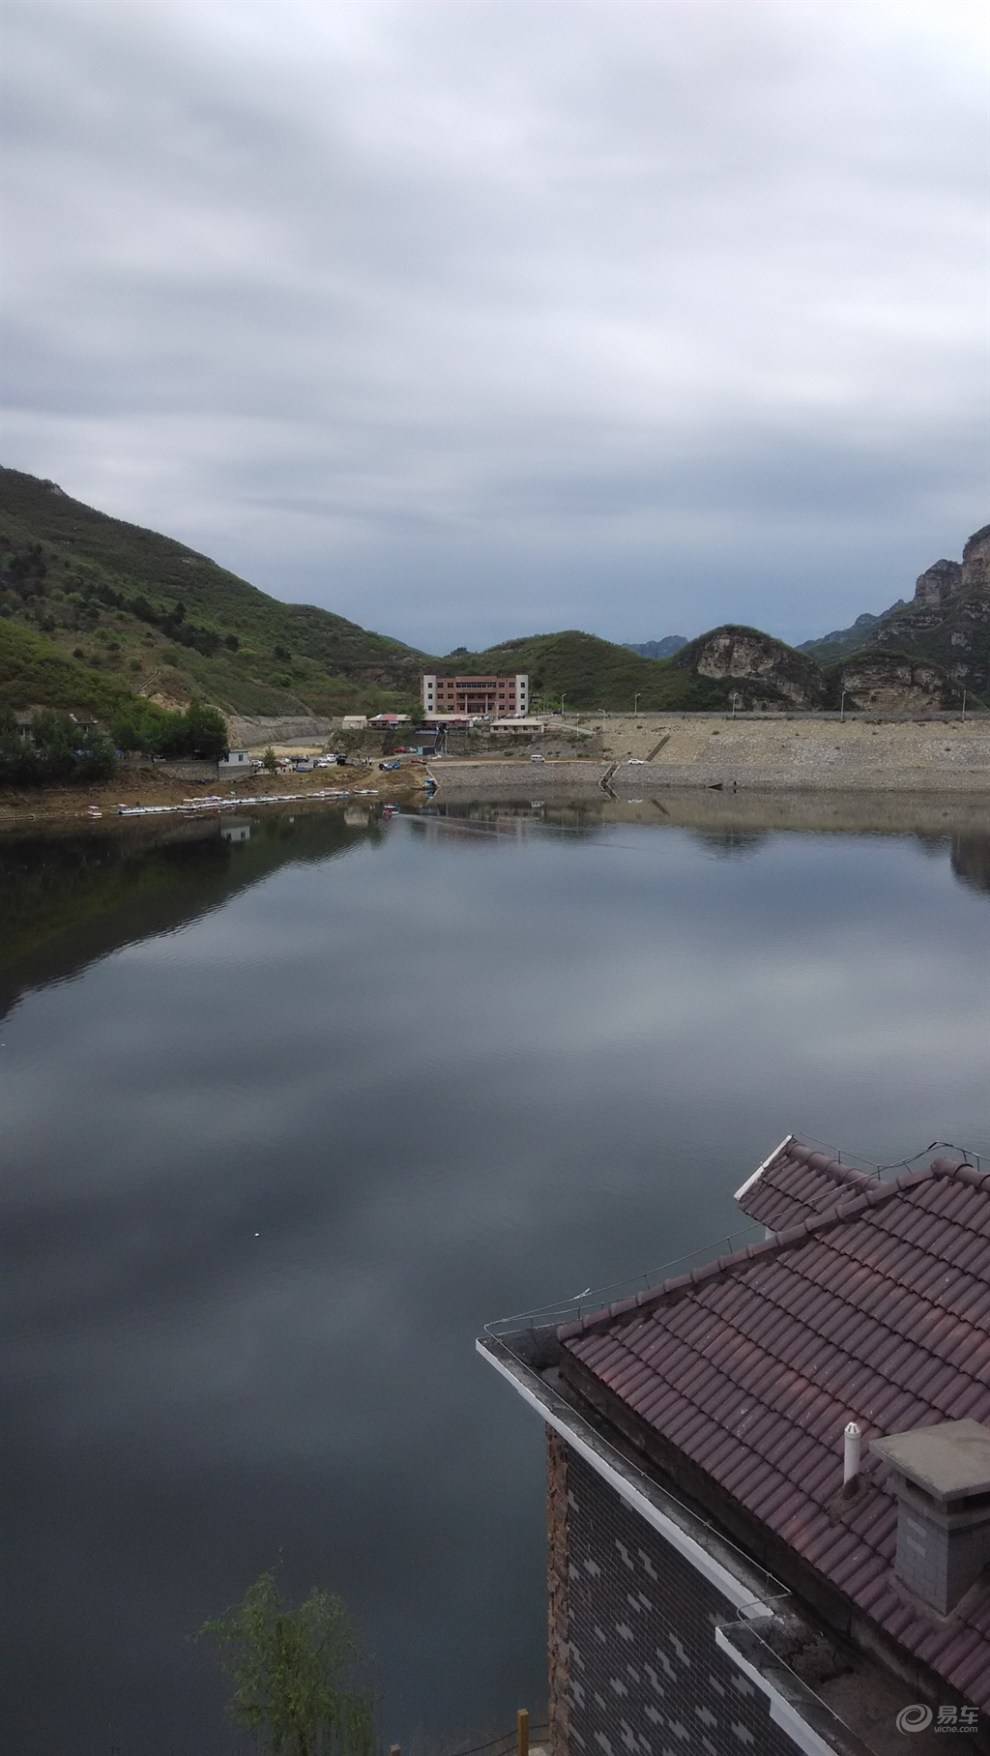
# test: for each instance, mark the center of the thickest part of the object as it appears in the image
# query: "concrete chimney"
(941, 1476)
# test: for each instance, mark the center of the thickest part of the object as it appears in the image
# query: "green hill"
(139, 612)
(702, 677)
(93, 610)
(35, 672)
(588, 672)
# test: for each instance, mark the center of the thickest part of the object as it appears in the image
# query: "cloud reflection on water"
(440, 1090)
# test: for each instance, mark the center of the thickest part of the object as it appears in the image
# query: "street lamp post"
(735, 702)
(562, 706)
(635, 705)
(842, 706)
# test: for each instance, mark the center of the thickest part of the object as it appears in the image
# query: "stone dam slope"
(711, 750)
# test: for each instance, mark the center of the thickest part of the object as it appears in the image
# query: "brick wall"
(636, 1671)
(558, 1597)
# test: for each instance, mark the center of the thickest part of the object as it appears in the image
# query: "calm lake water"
(293, 1107)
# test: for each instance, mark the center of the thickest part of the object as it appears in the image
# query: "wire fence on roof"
(595, 1298)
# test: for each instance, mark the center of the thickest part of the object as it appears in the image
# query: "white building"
(235, 762)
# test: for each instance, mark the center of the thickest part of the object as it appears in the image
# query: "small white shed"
(235, 762)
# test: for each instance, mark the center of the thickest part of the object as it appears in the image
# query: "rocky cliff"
(946, 623)
(769, 673)
(976, 561)
(889, 682)
(940, 581)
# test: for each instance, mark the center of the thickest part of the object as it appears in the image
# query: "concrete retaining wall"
(711, 750)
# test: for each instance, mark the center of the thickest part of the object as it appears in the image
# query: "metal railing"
(519, 1742)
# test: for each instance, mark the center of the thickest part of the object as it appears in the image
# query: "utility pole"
(842, 706)
(635, 705)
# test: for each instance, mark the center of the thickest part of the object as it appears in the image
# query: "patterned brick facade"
(558, 1597)
(634, 1669)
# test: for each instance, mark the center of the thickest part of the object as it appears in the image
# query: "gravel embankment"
(711, 750)
(295, 729)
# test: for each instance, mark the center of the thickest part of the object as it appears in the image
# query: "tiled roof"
(797, 1183)
(876, 1311)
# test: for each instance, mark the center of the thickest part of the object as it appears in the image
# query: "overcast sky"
(489, 317)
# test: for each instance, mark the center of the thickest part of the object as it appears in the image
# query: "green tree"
(296, 1672)
(56, 752)
(206, 732)
(269, 761)
(139, 724)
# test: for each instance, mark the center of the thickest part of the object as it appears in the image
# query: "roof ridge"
(874, 1196)
(832, 1168)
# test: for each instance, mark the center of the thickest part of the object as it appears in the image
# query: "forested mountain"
(94, 610)
(108, 605)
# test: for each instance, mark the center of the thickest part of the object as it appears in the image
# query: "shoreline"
(462, 780)
(157, 794)
(635, 759)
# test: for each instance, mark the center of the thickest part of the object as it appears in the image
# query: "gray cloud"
(468, 320)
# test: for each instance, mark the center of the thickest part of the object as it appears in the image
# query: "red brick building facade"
(476, 697)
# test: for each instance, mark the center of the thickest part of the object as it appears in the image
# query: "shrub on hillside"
(156, 731)
(53, 751)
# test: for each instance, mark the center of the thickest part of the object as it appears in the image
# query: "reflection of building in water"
(730, 844)
(475, 829)
(971, 860)
(357, 816)
(236, 829)
(508, 821)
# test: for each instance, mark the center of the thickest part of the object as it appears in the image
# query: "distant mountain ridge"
(658, 649)
(94, 610)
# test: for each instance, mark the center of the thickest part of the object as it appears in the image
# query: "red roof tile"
(797, 1183)
(872, 1307)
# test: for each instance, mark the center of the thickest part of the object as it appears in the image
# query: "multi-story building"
(476, 697)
